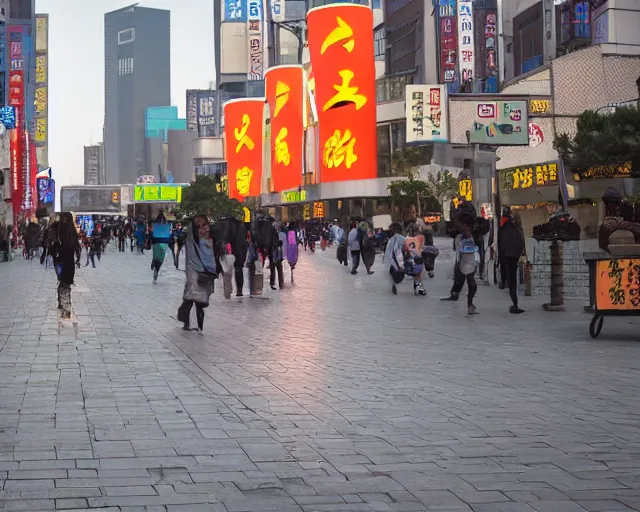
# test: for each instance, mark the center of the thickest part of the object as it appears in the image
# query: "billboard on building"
(448, 38)
(341, 47)
(243, 121)
(90, 199)
(201, 112)
(500, 123)
(235, 49)
(285, 95)
(426, 113)
(235, 10)
(466, 46)
(158, 192)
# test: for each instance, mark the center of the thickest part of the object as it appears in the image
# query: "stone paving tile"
(330, 395)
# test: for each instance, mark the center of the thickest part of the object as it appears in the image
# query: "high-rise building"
(94, 171)
(137, 76)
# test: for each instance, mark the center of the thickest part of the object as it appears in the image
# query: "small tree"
(443, 185)
(202, 197)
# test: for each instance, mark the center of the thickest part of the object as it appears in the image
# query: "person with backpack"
(512, 248)
(393, 256)
(354, 247)
(276, 257)
(465, 266)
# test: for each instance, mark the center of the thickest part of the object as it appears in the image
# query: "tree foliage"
(603, 139)
(444, 185)
(409, 158)
(202, 198)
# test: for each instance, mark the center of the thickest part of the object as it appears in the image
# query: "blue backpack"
(468, 245)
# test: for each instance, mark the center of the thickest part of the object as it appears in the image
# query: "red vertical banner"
(340, 40)
(448, 40)
(16, 94)
(284, 86)
(243, 138)
(33, 172)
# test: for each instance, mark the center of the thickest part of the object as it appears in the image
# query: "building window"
(398, 137)
(125, 66)
(384, 151)
(127, 36)
(379, 43)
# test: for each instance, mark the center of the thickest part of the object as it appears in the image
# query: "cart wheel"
(594, 330)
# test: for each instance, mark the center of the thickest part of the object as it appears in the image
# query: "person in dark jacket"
(512, 247)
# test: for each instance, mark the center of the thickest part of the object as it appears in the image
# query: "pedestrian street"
(331, 395)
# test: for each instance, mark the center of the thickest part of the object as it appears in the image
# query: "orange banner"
(618, 285)
(340, 40)
(284, 86)
(243, 146)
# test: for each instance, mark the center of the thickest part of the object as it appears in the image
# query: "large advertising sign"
(466, 46)
(447, 31)
(341, 48)
(426, 113)
(235, 10)
(201, 112)
(90, 199)
(285, 95)
(41, 91)
(500, 123)
(243, 121)
(158, 192)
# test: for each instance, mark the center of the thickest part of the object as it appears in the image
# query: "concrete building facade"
(94, 170)
(137, 76)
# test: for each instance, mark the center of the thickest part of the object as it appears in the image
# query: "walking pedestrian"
(354, 247)
(368, 251)
(512, 248)
(465, 267)
(160, 237)
(202, 268)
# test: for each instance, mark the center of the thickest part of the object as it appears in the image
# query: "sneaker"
(515, 310)
(471, 310)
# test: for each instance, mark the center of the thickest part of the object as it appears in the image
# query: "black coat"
(511, 241)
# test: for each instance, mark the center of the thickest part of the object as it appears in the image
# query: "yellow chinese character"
(40, 101)
(542, 175)
(241, 135)
(243, 180)
(553, 172)
(282, 148)
(41, 130)
(341, 33)
(339, 148)
(282, 96)
(465, 189)
(346, 94)
(523, 178)
(41, 69)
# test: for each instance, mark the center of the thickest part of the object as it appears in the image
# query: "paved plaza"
(333, 395)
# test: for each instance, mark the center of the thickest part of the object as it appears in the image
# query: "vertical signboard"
(466, 47)
(278, 14)
(485, 22)
(426, 115)
(447, 30)
(16, 95)
(201, 112)
(243, 120)
(41, 100)
(256, 57)
(285, 95)
(341, 48)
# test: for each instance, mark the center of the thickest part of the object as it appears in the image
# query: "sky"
(76, 70)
